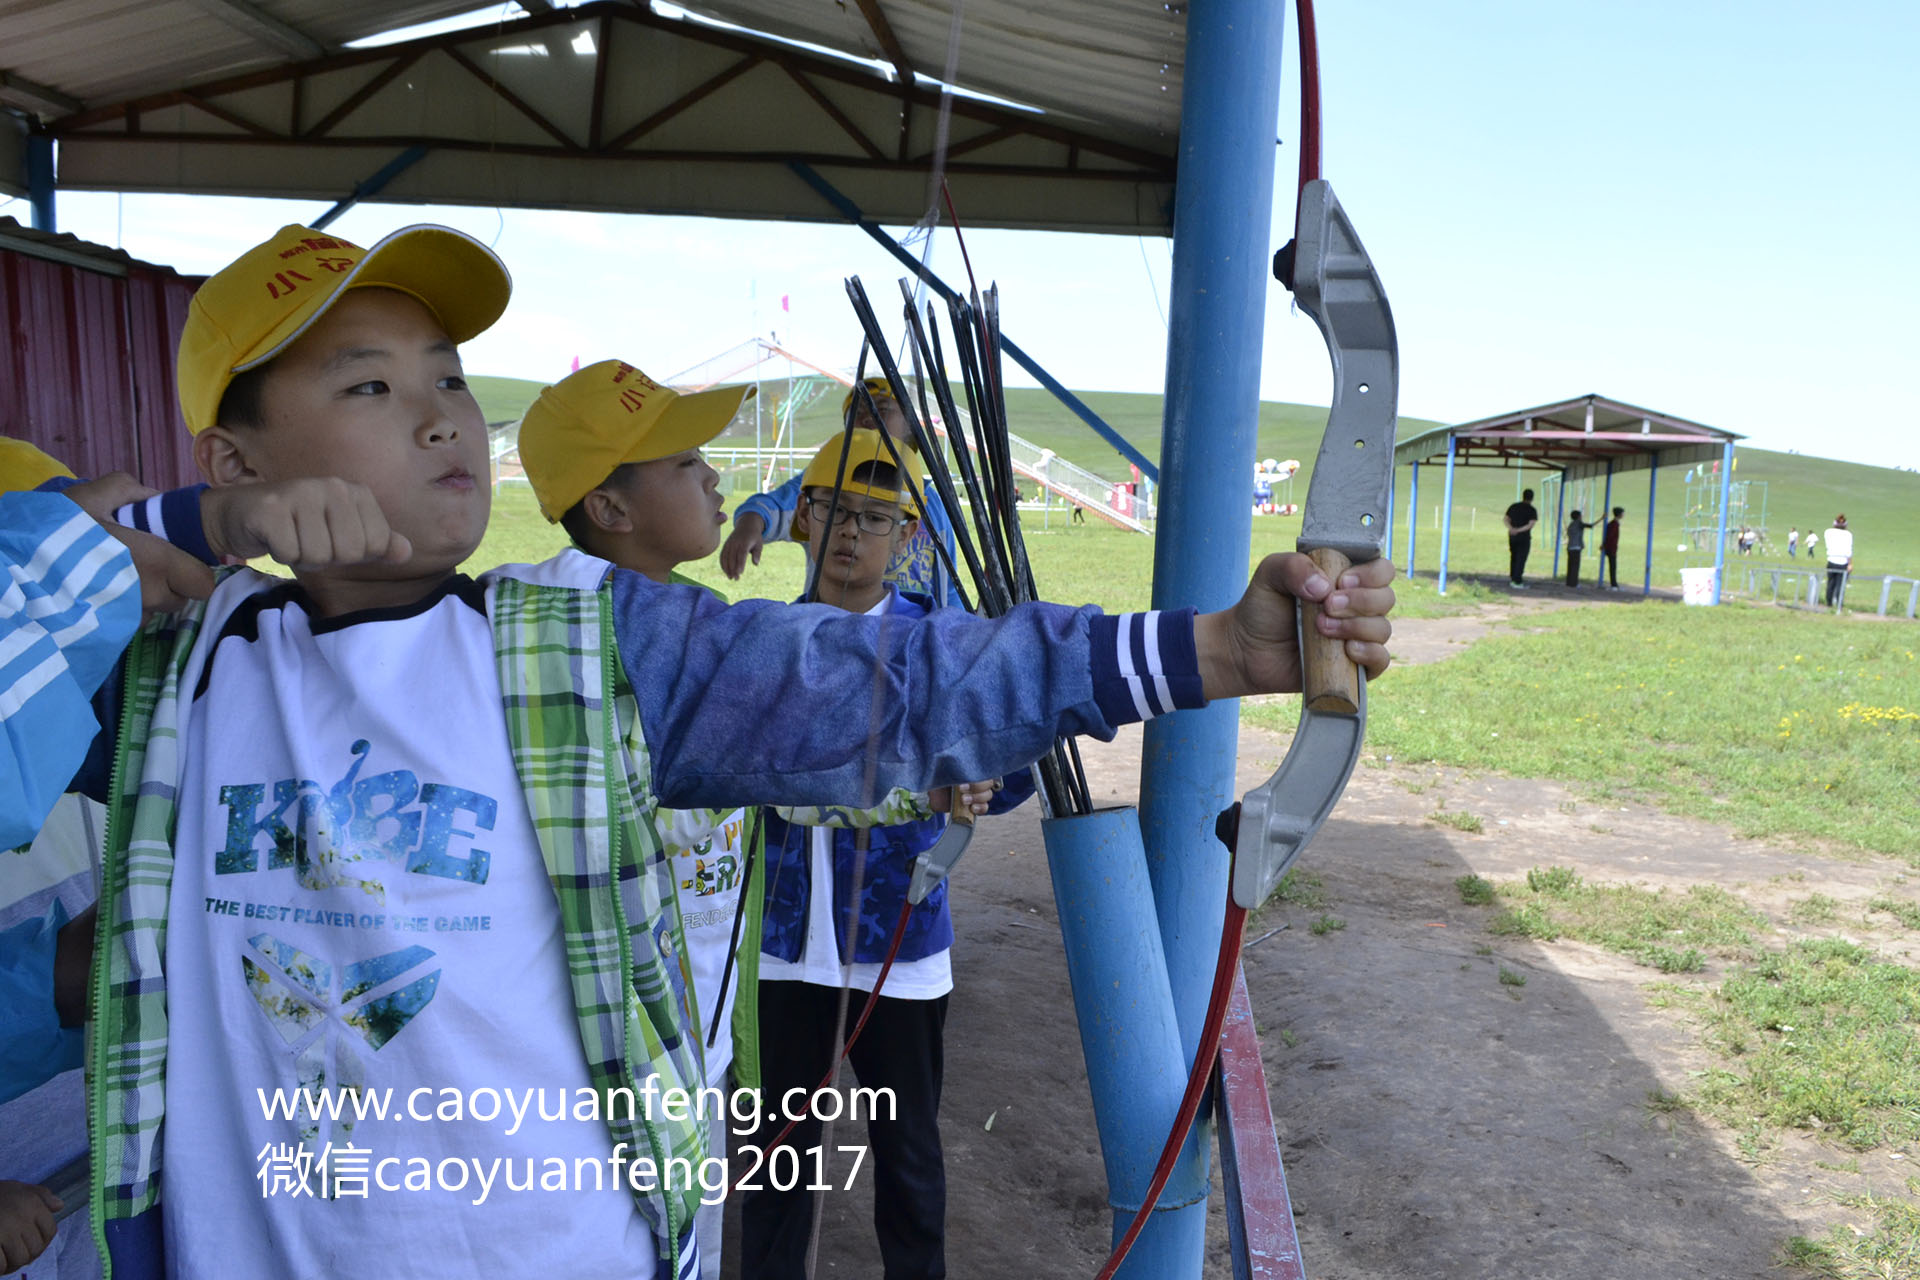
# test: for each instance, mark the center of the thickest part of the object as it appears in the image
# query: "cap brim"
(460, 280)
(690, 421)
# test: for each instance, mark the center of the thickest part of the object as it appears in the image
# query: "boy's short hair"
(871, 471)
(575, 520)
(243, 403)
(586, 426)
(259, 304)
(1619, 511)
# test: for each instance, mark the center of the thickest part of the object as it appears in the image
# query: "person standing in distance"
(1610, 549)
(1520, 519)
(1839, 560)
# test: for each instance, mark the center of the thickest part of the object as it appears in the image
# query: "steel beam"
(373, 185)
(1223, 211)
(40, 182)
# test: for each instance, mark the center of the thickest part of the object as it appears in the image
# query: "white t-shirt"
(359, 902)
(1839, 545)
(819, 963)
(709, 864)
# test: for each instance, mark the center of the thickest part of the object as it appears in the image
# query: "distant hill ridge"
(1882, 504)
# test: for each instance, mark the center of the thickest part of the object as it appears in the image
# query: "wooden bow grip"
(1329, 679)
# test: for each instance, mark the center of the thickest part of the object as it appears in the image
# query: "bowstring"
(936, 183)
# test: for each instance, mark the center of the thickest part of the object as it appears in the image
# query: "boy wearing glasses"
(816, 943)
(913, 565)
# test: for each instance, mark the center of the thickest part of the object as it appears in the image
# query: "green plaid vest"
(584, 769)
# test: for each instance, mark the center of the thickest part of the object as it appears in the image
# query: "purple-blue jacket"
(887, 872)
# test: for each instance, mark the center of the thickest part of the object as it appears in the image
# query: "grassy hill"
(503, 399)
(1882, 505)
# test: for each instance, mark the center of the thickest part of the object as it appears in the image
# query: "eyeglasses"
(877, 523)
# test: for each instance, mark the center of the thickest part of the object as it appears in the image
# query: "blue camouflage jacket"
(883, 882)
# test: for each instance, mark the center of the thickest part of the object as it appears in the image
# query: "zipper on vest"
(113, 871)
(616, 806)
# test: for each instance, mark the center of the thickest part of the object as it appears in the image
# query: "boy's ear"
(801, 526)
(221, 455)
(607, 510)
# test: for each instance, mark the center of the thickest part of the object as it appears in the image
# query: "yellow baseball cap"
(259, 304)
(878, 388)
(863, 445)
(23, 467)
(608, 414)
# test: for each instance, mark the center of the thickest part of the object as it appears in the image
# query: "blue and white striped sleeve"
(69, 603)
(1145, 664)
(172, 517)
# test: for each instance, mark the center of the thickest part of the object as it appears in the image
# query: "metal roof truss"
(612, 107)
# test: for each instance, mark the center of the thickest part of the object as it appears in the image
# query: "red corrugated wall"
(86, 368)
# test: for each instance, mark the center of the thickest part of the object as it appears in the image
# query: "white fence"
(1068, 481)
(1813, 592)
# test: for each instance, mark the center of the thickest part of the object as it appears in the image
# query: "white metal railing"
(1068, 480)
(1071, 481)
(1816, 585)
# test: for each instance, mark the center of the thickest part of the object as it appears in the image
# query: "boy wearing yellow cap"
(614, 458)
(855, 513)
(385, 834)
(914, 565)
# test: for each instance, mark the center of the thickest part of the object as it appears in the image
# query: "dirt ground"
(1434, 1121)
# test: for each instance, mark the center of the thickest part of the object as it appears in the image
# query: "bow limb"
(1344, 523)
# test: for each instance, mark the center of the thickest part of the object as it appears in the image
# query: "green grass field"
(1778, 724)
(1784, 725)
(1882, 505)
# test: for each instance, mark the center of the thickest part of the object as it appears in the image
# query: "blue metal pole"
(1223, 211)
(1446, 519)
(1413, 515)
(373, 185)
(1606, 513)
(1136, 1068)
(1653, 484)
(1727, 492)
(40, 181)
(1393, 492)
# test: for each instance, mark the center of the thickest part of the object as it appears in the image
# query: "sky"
(1700, 207)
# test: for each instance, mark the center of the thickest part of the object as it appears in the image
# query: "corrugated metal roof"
(1114, 63)
(1582, 437)
(610, 106)
(96, 51)
(73, 251)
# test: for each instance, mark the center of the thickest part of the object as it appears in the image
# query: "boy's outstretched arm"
(803, 704)
(1252, 647)
(763, 518)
